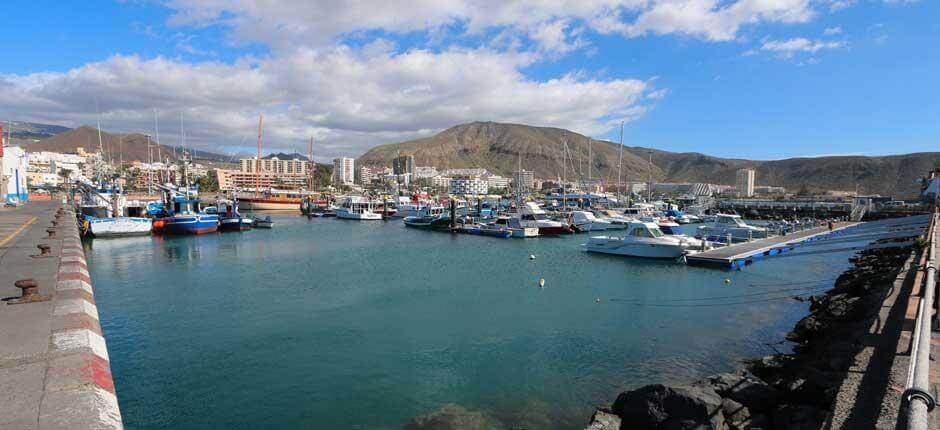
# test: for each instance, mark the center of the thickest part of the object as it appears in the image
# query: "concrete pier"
(54, 366)
(741, 254)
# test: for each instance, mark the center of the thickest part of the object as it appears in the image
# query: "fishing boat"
(187, 218)
(484, 229)
(517, 230)
(229, 217)
(358, 208)
(727, 224)
(118, 226)
(431, 217)
(644, 239)
(583, 221)
(271, 201)
(531, 215)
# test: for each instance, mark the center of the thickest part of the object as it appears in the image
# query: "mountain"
(126, 146)
(497, 147)
(24, 133)
(283, 156)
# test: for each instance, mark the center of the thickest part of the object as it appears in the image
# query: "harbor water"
(333, 324)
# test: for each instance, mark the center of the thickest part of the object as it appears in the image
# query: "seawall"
(54, 363)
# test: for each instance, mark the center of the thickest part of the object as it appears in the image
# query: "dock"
(54, 364)
(742, 254)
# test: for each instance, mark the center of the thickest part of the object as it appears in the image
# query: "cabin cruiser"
(358, 208)
(616, 220)
(644, 239)
(586, 221)
(727, 224)
(638, 211)
(531, 215)
(229, 217)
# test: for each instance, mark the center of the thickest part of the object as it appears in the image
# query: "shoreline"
(779, 391)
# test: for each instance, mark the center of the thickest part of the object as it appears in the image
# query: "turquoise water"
(326, 323)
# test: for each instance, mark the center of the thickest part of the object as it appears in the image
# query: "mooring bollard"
(28, 287)
(51, 232)
(728, 240)
(55, 222)
(750, 235)
(44, 250)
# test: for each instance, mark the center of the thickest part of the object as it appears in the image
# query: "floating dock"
(741, 254)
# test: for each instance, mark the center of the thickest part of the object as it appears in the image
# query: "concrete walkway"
(53, 367)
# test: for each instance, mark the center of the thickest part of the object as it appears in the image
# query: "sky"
(759, 79)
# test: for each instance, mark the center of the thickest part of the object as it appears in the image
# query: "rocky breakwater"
(783, 391)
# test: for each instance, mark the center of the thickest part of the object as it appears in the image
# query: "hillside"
(497, 147)
(24, 133)
(126, 146)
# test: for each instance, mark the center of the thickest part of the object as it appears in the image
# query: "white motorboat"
(531, 215)
(616, 220)
(517, 230)
(725, 224)
(644, 239)
(358, 208)
(119, 226)
(586, 221)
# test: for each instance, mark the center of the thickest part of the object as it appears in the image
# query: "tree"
(207, 183)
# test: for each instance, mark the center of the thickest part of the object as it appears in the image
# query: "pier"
(54, 366)
(744, 253)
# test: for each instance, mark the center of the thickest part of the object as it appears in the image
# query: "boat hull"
(234, 224)
(616, 246)
(191, 224)
(553, 230)
(269, 204)
(365, 216)
(120, 227)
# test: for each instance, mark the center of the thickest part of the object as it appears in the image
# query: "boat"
(431, 217)
(229, 217)
(118, 226)
(484, 229)
(517, 230)
(616, 220)
(265, 222)
(181, 213)
(728, 224)
(583, 221)
(276, 201)
(669, 226)
(638, 211)
(358, 208)
(531, 215)
(644, 239)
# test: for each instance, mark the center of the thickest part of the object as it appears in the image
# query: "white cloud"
(788, 48)
(348, 100)
(831, 31)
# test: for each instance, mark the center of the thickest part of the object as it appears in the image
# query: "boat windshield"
(657, 232)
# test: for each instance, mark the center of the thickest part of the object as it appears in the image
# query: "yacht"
(616, 220)
(644, 239)
(514, 227)
(725, 224)
(358, 208)
(531, 215)
(586, 221)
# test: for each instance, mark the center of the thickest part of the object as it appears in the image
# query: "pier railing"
(918, 395)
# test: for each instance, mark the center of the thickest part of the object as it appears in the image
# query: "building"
(766, 189)
(13, 173)
(370, 174)
(744, 183)
(232, 180)
(344, 171)
(440, 181)
(496, 182)
(472, 172)
(275, 165)
(404, 165)
(523, 180)
(423, 172)
(468, 186)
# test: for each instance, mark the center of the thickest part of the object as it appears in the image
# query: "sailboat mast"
(258, 162)
(564, 172)
(649, 191)
(312, 165)
(620, 167)
(156, 136)
(590, 160)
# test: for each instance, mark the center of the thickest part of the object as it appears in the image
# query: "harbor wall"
(802, 389)
(79, 389)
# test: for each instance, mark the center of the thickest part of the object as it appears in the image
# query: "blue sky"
(733, 78)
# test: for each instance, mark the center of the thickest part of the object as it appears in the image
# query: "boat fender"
(531, 256)
(728, 281)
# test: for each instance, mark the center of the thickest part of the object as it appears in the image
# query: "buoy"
(541, 282)
(727, 280)
(531, 256)
(597, 300)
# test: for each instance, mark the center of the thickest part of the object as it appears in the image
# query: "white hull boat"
(644, 239)
(120, 227)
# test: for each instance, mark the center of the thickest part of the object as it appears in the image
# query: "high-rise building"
(404, 165)
(744, 183)
(523, 180)
(344, 171)
(468, 186)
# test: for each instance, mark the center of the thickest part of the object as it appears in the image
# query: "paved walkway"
(54, 371)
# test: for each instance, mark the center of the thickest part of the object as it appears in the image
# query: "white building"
(440, 181)
(425, 172)
(471, 186)
(523, 179)
(496, 182)
(465, 172)
(744, 183)
(344, 171)
(13, 173)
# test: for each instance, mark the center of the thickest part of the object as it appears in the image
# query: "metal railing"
(920, 400)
